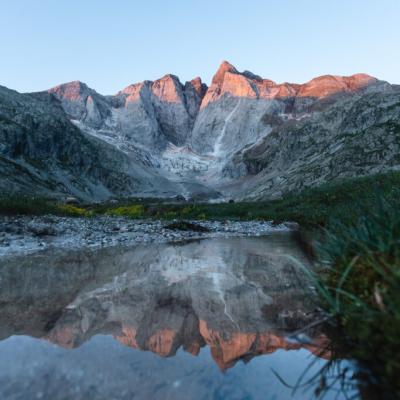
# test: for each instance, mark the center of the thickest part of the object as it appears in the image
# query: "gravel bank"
(23, 235)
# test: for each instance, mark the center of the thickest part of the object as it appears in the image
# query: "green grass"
(132, 211)
(359, 284)
(26, 205)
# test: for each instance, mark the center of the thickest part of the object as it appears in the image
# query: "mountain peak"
(75, 91)
(198, 86)
(196, 81)
(226, 64)
(168, 77)
(225, 67)
(73, 86)
(327, 85)
(168, 88)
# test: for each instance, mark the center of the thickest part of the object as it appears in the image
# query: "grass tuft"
(360, 284)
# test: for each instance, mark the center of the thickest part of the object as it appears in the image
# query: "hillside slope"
(42, 152)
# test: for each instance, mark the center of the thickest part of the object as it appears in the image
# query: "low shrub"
(131, 211)
(73, 211)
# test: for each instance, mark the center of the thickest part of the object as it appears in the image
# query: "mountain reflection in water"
(239, 298)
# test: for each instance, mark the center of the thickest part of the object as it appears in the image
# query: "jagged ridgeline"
(242, 137)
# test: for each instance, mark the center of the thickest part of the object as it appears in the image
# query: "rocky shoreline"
(27, 234)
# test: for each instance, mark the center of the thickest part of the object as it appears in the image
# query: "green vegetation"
(73, 211)
(132, 211)
(360, 284)
(25, 205)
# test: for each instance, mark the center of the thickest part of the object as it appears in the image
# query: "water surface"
(209, 319)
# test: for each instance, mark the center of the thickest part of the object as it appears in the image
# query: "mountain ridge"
(200, 139)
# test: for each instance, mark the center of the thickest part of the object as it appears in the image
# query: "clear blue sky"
(111, 43)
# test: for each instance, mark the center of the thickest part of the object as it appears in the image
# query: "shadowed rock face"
(240, 297)
(42, 152)
(366, 141)
(147, 113)
(244, 136)
(169, 107)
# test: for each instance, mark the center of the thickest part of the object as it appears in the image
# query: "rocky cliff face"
(353, 137)
(244, 136)
(42, 152)
(240, 108)
(148, 113)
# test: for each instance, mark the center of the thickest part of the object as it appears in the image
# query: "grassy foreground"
(359, 254)
(359, 283)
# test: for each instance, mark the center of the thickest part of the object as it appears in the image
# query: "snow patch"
(182, 161)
